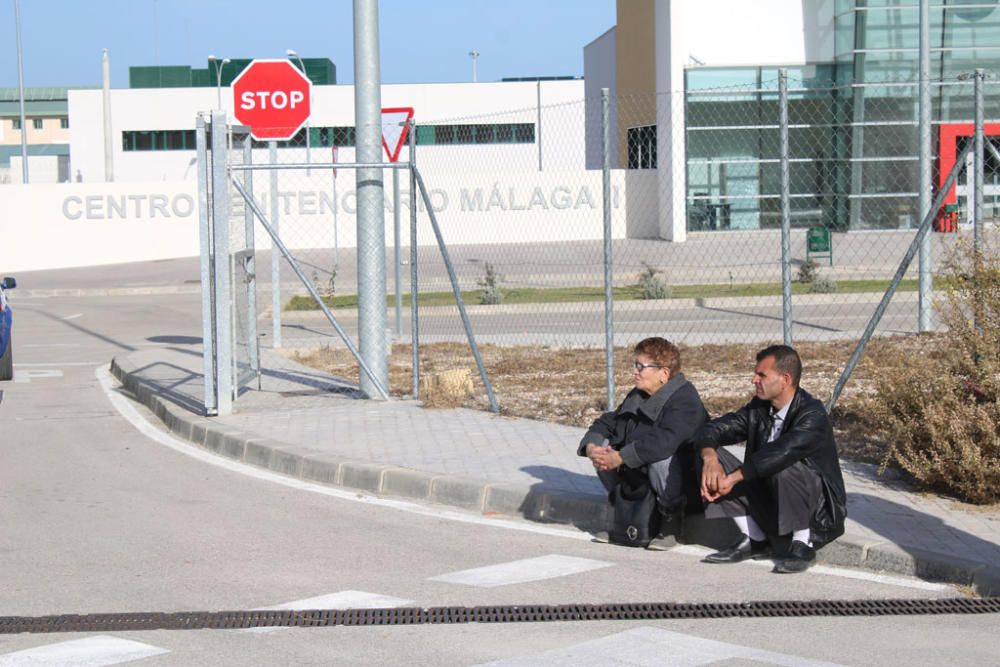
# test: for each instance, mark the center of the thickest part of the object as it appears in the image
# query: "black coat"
(646, 429)
(806, 436)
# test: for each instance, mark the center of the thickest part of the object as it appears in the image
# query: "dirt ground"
(567, 385)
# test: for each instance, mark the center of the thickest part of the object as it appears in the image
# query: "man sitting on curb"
(789, 483)
(648, 435)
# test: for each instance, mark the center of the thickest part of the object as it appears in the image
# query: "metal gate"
(229, 308)
(230, 209)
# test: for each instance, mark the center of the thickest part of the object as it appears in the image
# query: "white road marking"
(844, 573)
(60, 363)
(71, 317)
(89, 652)
(522, 571)
(655, 647)
(50, 345)
(341, 600)
(128, 411)
(28, 376)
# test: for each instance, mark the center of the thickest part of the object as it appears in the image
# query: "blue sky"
(421, 40)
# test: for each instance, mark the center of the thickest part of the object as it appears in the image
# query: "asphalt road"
(98, 516)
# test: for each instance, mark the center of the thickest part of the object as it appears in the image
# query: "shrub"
(823, 285)
(808, 271)
(942, 416)
(653, 284)
(490, 282)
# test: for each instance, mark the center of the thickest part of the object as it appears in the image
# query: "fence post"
(370, 196)
(208, 337)
(414, 320)
(609, 305)
(272, 153)
(250, 288)
(538, 122)
(926, 286)
(786, 214)
(977, 224)
(223, 265)
(395, 249)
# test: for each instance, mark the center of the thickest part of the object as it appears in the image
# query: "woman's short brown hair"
(662, 352)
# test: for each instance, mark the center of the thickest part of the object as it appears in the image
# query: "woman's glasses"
(639, 366)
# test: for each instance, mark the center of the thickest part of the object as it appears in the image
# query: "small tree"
(490, 282)
(653, 284)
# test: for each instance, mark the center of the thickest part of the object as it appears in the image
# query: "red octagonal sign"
(273, 98)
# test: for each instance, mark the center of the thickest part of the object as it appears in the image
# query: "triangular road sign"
(394, 131)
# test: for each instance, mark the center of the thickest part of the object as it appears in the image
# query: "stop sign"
(273, 98)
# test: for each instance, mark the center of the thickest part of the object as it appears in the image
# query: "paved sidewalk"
(310, 425)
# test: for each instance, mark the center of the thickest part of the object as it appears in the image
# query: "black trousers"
(673, 481)
(779, 504)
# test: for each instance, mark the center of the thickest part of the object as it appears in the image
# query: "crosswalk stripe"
(340, 600)
(522, 571)
(655, 647)
(88, 652)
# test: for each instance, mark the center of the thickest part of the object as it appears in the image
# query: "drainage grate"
(223, 620)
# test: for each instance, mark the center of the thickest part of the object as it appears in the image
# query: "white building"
(152, 128)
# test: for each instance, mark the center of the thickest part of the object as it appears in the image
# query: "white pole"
(109, 165)
(294, 54)
(925, 294)
(475, 55)
(372, 316)
(20, 96)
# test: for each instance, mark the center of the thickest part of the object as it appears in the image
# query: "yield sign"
(394, 131)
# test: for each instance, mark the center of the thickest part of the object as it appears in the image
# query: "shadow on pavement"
(916, 532)
(175, 340)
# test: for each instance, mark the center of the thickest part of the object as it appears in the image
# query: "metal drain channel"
(226, 620)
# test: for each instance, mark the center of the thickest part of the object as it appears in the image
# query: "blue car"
(6, 323)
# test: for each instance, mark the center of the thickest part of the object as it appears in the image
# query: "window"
(485, 133)
(64, 123)
(158, 140)
(524, 133)
(642, 147)
(15, 124)
(36, 123)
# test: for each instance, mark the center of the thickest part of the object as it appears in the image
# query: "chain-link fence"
(701, 185)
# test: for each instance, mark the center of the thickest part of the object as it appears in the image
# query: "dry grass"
(567, 385)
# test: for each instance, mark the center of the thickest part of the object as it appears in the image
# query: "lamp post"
(292, 54)
(218, 78)
(475, 56)
(20, 95)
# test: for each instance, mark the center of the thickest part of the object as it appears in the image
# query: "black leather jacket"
(807, 437)
(646, 429)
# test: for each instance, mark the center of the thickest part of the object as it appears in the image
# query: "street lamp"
(475, 56)
(20, 95)
(292, 54)
(218, 78)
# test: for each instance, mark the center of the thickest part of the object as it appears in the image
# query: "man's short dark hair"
(662, 352)
(786, 360)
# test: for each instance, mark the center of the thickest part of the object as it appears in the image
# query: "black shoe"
(671, 531)
(800, 558)
(740, 551)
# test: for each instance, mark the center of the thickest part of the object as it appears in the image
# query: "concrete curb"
(151, 290)
(586, 512)
(846, 298)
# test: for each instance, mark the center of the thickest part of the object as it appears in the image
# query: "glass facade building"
(853, 122)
